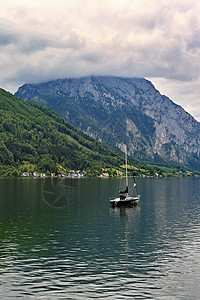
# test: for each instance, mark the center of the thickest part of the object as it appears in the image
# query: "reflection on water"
(84, 249)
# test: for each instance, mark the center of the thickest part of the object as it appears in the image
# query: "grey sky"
(41, 40)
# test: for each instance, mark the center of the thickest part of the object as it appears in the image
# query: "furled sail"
(125, 191)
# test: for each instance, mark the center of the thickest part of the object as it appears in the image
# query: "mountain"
(34, 136)
(120, 111)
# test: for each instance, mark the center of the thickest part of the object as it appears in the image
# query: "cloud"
(7, 38)
(42, 40)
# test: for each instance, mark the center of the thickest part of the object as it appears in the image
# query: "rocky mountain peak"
(122, 110)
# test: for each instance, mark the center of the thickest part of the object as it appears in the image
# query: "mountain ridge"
(123, 110)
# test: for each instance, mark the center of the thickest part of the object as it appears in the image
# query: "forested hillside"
(35, 137)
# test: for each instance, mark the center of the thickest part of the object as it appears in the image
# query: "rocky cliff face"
(122, 111)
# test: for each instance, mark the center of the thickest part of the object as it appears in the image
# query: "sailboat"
(124, 198)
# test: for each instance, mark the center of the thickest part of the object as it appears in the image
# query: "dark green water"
(61, 240)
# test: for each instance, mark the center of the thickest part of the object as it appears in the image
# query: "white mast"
(126, 165)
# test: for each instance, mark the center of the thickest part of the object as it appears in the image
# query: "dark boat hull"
(128, 201)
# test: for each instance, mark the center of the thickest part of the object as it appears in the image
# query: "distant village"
(71, 174)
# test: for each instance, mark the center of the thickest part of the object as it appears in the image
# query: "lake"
(59, 239)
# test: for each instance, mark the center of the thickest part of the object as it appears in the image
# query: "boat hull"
(128, 201)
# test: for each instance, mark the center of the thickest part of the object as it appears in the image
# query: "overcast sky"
(41, 40)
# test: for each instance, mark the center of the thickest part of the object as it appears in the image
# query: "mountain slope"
(122, 111)
(33, 133)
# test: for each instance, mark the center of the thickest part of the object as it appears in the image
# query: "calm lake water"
(59, 239)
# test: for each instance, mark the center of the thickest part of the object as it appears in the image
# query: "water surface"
(59, 239)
